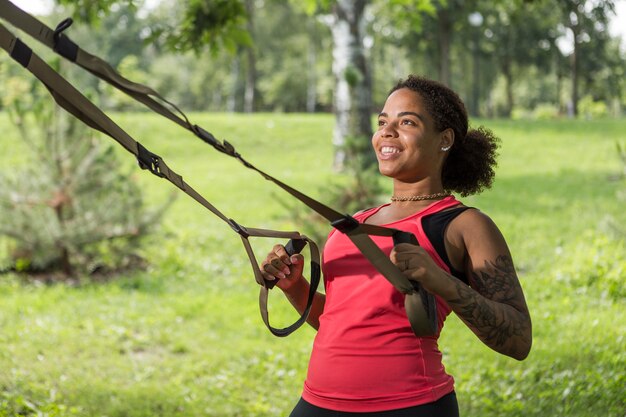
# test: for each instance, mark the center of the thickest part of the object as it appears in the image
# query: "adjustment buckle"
(148, 160)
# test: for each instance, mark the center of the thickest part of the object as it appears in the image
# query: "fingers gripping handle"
(292, 247)
(421, 310)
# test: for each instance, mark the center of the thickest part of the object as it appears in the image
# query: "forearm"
(500, 326)
(297, 295)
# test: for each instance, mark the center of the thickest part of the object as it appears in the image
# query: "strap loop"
(62, 44)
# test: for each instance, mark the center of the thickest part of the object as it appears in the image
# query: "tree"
(516, 31)
(585, 20)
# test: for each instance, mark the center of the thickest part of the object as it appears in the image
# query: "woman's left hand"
(418, 266)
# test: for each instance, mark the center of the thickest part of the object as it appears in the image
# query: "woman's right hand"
(285, 269)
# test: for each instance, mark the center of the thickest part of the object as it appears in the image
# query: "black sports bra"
(435, 227)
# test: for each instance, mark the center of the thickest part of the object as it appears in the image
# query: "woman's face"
(407, 143)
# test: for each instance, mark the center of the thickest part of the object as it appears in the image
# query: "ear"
(446, 139)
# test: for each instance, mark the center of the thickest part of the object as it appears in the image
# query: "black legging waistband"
(446, 406)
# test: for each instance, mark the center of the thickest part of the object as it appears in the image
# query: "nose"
(387, 131)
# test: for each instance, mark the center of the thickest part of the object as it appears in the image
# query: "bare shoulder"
(473, 229)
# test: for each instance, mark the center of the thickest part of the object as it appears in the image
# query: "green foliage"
(215, 24)
(92, 11)
(13, 402)
(591, 109)
(543, 111)
(71, 208)
(596, 264)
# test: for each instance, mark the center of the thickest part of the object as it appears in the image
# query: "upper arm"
(482, 252)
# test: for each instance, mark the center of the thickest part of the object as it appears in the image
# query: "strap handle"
(421, 307)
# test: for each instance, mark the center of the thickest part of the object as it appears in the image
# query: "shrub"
(71, 208)
(590, 109)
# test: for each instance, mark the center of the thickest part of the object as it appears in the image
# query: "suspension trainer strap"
(79, 106)
(358, 233)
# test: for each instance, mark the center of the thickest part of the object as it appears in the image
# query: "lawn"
(184, 338)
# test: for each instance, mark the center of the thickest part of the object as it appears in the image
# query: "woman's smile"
(388, 152)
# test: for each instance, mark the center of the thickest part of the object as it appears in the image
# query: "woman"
(366, 359)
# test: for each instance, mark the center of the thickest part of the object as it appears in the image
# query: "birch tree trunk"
(353, 82)
(574, 69)
(251, 74)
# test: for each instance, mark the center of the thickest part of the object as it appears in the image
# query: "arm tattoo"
(494, 307)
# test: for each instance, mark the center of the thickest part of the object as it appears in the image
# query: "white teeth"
(389, 149)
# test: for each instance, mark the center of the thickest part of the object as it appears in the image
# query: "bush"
(546, 111)
(590, 109)
(71, 208)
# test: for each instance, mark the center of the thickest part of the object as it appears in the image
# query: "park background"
(120, 297)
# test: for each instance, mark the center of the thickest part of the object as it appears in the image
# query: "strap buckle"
(148, 160)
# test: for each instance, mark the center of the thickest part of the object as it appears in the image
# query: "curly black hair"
(469, 167)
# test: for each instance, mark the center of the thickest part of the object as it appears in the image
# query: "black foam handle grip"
(404, 237)
(407, 237)
(295, 246)
(292, 247)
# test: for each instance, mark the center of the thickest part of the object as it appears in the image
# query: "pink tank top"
(365, 356)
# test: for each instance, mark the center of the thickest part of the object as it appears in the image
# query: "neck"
(423, 187)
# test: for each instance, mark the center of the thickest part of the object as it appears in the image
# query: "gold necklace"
(420, 197)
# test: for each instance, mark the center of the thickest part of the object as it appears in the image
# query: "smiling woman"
(365, 357)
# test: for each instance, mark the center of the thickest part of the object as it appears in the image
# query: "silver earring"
(445, 149)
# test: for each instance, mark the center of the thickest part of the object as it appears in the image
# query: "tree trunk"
(251, 74)
(231, 104)
(311, 90)
(445, 34)
(64, 253)
(352, 80)
(574, 72)
(508, 77)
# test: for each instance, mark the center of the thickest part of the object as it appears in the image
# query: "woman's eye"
(408, 122)
(381, 123)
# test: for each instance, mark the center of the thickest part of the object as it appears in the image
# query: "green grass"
(185, 338)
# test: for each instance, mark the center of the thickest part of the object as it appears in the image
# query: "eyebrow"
(404, 113)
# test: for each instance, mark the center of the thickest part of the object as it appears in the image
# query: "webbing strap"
(78, 105)
(358, 233)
